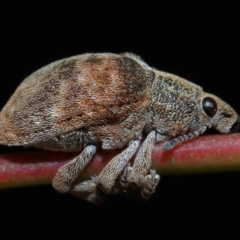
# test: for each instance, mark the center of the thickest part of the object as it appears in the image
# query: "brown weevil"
(108, 101)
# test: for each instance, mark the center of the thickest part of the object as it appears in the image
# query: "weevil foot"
(107, 179)
(149, 185)
(123, 182)
(68, 173)
(142, 187)
(88, 191)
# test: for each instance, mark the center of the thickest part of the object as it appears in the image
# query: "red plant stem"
(206, 153)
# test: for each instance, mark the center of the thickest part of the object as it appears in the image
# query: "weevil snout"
(226, 119)
(223, 117)
(236, 126)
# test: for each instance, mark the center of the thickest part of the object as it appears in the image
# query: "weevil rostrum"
(109, 100)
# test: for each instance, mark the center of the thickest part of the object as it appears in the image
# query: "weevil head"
(222, 116)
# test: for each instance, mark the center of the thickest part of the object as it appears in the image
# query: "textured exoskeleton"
(108, 101)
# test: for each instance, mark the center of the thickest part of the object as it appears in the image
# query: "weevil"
(109, 100)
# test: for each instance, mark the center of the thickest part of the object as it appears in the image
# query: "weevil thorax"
(180, 107)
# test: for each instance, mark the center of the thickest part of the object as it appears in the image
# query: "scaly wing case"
(81, 91)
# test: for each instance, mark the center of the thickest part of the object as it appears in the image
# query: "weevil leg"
(87, 190)
(106, 179)
(124, 183)
(97, 189)
(139, 179)
(170, 144)
(121, 183)
(68, 173)
(124, 178)
(142, 162)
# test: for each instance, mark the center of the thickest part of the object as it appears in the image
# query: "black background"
(198, 40)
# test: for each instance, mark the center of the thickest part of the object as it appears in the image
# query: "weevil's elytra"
(108, 100)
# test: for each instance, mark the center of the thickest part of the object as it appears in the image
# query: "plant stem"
(204, 154)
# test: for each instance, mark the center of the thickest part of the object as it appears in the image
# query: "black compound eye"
(209, 106)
